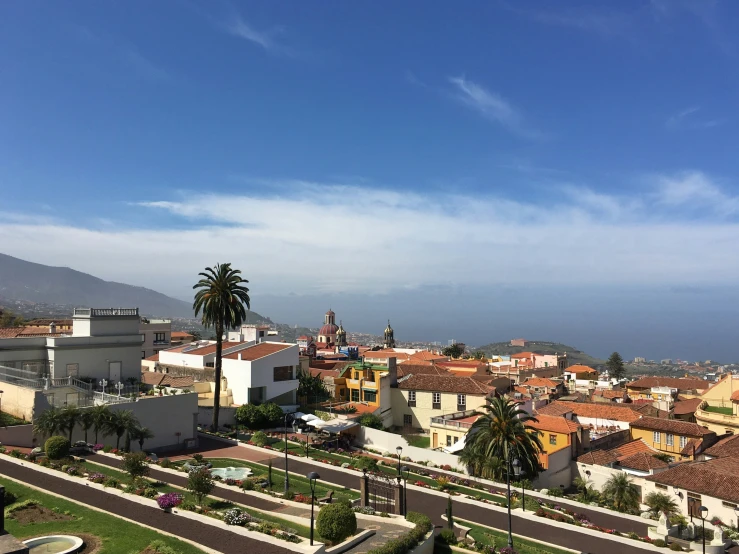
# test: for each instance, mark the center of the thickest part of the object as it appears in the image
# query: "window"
(261, 334)
(160, 338)
(407, 420)
(370, 395)
(660, 486)
(683, 442)
(670, 440)
(143, 354)
(436, 401)
(355, 395)
(448, 440)
(283, 373)
(553, 439)
(73, 370)
(728, 505)
(461, 400)
(143, 338)
(656, 438)
(412, 398)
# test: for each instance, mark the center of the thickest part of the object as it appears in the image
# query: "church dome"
(328, 329)
(330, 312)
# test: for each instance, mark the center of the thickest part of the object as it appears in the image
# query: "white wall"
(558, 473)
(94, 356)
(243, 375)
(388, 442)
(602, 422)
(715, 505)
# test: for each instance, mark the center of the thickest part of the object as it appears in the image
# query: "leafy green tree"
(250, 416)
(87, 421)
(480, 465)
(50, 422)
(453, 351)
(140, 435)
(200, 483)
(135, 464)
(621, 493)
(336, 522)
(502, 433)
(615, 365)
(100, 417)
(371, 420)
(223, 300)
(273, 415)
(479, 355)
(586, 491)
(310, 386)
(10, 319)
(71, 416)
(661, 503)
(120, 422)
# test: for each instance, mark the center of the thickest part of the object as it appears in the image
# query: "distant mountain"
(64, 287)
(574, 355)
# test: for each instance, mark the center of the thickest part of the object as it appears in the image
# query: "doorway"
(114, 372)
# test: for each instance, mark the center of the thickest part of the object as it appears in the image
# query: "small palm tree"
(100, 416)
(71, 415)
(120, 422)
(621, 492)
(87, 421)
(223, 300)
(661, 503)
(502, 433)
(141, 434)
(48, 423)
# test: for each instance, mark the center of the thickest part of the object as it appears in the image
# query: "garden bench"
(327, 499)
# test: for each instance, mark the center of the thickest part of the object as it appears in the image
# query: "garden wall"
(17, 435)
(388, 442)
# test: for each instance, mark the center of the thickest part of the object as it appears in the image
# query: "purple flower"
(169, 500)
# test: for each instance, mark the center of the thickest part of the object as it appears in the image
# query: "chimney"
(239, 356)
(52, 327)
(392, 371)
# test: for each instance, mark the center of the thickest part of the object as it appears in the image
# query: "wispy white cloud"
(266, 39)
(686, 119)
(492, 106)
(373, 240)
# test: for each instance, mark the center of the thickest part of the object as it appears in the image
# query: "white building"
(254, 333)
(156, 335)
(104, 344)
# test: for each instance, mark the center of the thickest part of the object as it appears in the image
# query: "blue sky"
(399, 145)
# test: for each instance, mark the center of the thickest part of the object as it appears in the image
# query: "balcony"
(161, 343)
(450, 423)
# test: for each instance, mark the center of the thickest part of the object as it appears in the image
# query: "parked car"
(153, 457)
(81, 447)
(36, 453)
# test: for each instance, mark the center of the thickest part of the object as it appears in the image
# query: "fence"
(21, 377)
(388, 442)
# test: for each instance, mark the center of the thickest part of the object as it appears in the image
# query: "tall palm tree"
(661, 503)
(72, 415)
(221, 298)
(141, 434)
(502, 433)
(100, 416)
(87, 420)
(621, 492)
(120, 422)
(49, 422)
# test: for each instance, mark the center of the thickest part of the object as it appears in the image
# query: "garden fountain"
(54, 544)
(235, 473)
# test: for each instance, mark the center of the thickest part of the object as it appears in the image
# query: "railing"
(20, 377)
(716, 417)
(105, 312)
(104, 398)
(160, 342)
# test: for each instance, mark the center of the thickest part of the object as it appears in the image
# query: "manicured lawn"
(118, 536)
(499, 539)
(720, 410)
(7, 420)
(212, 502)
(419, 441)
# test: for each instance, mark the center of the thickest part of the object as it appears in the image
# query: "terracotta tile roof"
(687, 406)
(181, 334)
(692, 447)
(610, 394)
(554, 424)
(523, 355)
(673, 426)
(45, 322)
(154, 358)
(643, 461)
(597, 457)
(614, 412)
(415, 361)
(622, 452)
(10, 332)
(735, 396)
(384, 354)
(463, 364)
(258, 351)
(580, 369)
(444, 383)
(679, 383)
(727, 446)
(315, 372)
(423, 369)
(631, 448)
(204, 350)
(718, 478)
(425, 355)
(540, 382)
(155, 379)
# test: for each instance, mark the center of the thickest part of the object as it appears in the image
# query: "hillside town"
(654, 456)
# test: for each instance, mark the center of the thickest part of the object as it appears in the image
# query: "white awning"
(456, 447)
(298, 415)
(310, 417)
(336, 425)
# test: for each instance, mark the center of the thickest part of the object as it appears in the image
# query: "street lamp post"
(508, 485)
(312, 477)
(406, 471)
(704, 511)
(103, 384)
(517, 473)
(1, 399)
(119, 387)
(399, 450)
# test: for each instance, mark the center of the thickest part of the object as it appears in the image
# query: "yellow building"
(681, 440)
(360, 382)
(556, 433)
(719, 407)
(448, 430)
(687, 387)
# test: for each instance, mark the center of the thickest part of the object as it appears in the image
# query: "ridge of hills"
(574, 355)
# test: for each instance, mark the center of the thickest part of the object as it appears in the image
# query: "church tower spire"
(389, 336)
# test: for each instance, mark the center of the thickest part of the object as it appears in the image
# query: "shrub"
(289, 495)
(165, 463)
(260, 438)
(96, 477)
(236, 517)
(370, 420)
(112, 482)
(200, 483)
(9, 498)
(365, 462)
(97, 447)
(250, 416)
(247, 485)
(676, 547)
(15, 453)
(659, 542)
(57, 448)
(169, 500)
(556, 493)
(150, 492)
(107, 449)
(135, 464)
(407, 542)
(160, 548)
(336, 522)
(272, 414)
(447, 536)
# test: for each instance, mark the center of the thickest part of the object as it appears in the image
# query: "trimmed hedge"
(410, 540)
(57, 447)
(336, 522)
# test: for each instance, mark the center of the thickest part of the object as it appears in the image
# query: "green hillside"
(574, 355)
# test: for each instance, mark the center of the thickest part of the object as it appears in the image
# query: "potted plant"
(169, 500)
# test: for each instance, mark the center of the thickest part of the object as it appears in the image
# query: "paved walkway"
(220, 540)
(434, 505)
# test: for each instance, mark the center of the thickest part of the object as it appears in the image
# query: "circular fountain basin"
(236, 473)
(54, 544)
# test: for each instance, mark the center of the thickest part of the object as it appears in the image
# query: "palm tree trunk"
(96, 434)
(141, 445)
(217, 391)
(118, 442)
